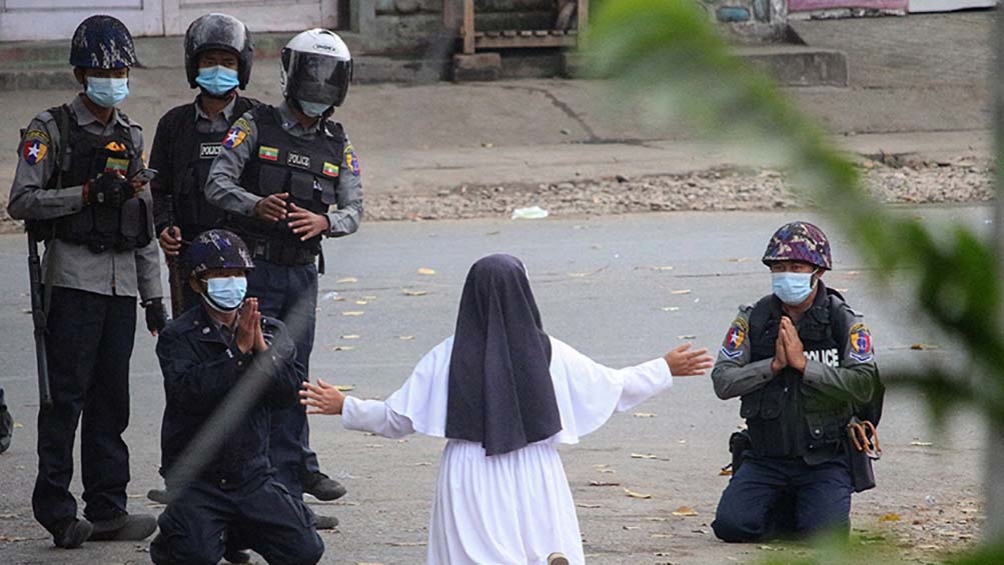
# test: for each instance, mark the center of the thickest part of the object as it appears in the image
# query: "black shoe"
(127, 527)
(6, 429)
(325, 522)
(73, 533)
(160, 496)
(321, 486)
(236, 556)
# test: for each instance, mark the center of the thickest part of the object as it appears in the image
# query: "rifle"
(39, 315)
(174, 280)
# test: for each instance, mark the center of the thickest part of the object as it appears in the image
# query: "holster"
(739, 443)
(860, 462)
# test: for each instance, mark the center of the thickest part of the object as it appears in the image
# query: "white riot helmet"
(315, 70)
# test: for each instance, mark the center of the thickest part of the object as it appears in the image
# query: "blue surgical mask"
(792, 288)
(313, 109)
(217, 80)
(226, 293)
(107, 92)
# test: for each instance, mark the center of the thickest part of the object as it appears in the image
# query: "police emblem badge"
(861, 343)
(734, 339)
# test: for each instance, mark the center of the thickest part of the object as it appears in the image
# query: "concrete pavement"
(604, 287)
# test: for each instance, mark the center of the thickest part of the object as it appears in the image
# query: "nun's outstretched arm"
(372, 416)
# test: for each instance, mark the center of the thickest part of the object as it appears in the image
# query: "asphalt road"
(605, 286)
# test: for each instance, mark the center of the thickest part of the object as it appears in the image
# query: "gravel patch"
(891, 179)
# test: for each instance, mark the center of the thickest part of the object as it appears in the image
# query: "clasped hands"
(302, 222)
(788, 349)
(249, 334)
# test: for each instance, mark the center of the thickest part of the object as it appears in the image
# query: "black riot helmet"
(218, 31)
(316, 67)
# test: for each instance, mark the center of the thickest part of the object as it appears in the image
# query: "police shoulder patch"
(238, 133)
(35, 147)
(861, 343)
(351, 160)
(735, 338)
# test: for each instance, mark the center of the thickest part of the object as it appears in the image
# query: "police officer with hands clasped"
(802, 363)
(73, 188)
(218, 58)
(227, 369)
(287, 176)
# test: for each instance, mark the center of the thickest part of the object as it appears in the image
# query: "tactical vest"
(191, 158)
(307, 169)
(788, 418)
(83, 157)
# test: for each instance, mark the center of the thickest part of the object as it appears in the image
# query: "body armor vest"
(83, 157)
(788, 418)
(192, 157)
(307, 169)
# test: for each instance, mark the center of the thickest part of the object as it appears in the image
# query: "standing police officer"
(218, 57)
(801, 361)
(6, 424)
(281, 170)
(72, 187)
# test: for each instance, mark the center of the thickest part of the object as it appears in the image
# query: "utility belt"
(282, 252)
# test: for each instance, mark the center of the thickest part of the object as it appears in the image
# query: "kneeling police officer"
(802, 363)
(226, 369)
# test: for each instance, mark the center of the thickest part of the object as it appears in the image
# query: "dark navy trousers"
(89, 345)
(206, 518)
(289, 294)
(768, 492)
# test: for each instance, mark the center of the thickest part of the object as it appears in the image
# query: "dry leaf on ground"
(406, 337)
(350, 336)
(685, 291)
(685, 511)
(345, 388)
(643, 456)
(353, 313)
(603, 484)
(634, 494)
(890, 517)
(347, 280)
(644, 415)
(343, 348)
(426, 271)
(410, 292)
(588, 505)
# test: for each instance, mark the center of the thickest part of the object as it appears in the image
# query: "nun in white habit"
(504, 394)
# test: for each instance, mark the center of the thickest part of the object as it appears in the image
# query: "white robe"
(515, 507)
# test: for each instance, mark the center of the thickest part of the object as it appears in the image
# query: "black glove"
(156, 316)
(108, 189)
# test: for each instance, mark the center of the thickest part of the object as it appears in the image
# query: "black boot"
(125, 527)
(321, 486)
(71, 533)
(326, 522)
(161, 496)
(6, 428)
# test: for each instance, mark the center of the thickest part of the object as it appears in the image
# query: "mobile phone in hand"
(144, 175)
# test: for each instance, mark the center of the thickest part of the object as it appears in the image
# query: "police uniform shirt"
(851, 376)
(162, 153)
(219, 123)
(223, 188)
(114, 273)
